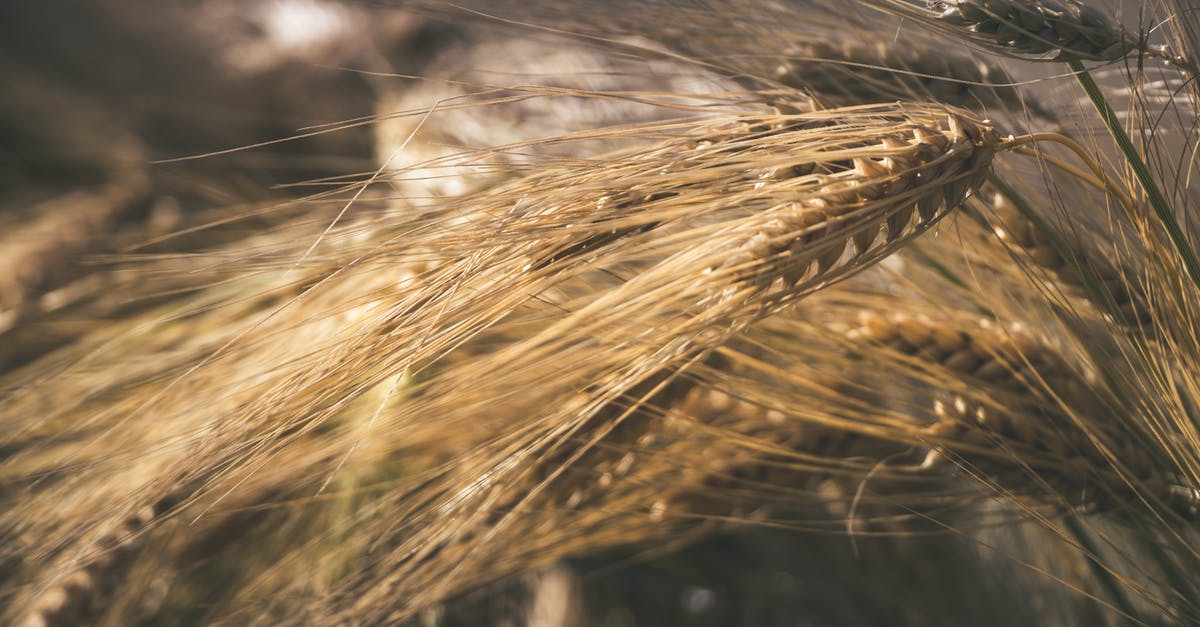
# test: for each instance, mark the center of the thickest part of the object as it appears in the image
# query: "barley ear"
(1032, 423)
(890, 186)
(1061, 30)
(1035, 30)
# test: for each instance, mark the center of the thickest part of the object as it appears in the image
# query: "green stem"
(1159, 202)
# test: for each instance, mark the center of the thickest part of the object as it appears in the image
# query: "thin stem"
(1101, 180)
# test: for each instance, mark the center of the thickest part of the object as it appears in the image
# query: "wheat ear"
(893, 183)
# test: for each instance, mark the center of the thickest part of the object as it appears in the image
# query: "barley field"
(636, 312)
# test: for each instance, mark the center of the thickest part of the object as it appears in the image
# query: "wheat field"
(644, 312)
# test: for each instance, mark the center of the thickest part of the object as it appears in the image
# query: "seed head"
(1055, 30)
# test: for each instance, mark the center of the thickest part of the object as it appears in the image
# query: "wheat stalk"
(806, 199)
(875, 193)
